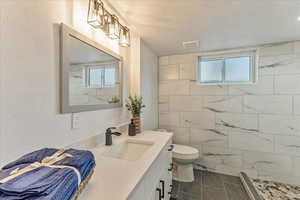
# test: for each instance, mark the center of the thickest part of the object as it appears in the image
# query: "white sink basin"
(130, 149)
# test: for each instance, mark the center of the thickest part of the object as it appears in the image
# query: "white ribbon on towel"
(46, 162)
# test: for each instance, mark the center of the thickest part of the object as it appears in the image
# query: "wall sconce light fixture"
(124, 36)
(100, 18)
(96, 14)
(113, 26)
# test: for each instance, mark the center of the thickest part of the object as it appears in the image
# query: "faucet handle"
(116, 133)
(110, 128)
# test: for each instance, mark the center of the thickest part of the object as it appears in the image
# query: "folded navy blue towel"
(46, 183)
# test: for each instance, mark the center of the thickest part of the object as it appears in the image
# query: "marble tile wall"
(251, 128)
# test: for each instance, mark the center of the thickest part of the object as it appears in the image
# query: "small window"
(110, 77)
(100, 77)
(94, 77)
(227, 68)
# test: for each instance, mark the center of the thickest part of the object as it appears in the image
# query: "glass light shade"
(96, 14)
(113, 27)
(107, 19)
(124, 37)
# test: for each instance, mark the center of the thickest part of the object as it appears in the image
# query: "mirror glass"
(93, 75)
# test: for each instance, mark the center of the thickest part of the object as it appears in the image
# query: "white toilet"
(183, 158)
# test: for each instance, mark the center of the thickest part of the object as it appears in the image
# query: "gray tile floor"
(210, 186)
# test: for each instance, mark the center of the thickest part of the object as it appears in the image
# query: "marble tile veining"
(277, 49)
(263, 86)
(208, 137)
(238, 127)
(252, 142)
(204, 120)
(208, 89)
(268, 104)
(214, 157)
(221, 104)
(237, 122)
(280, 124)
(267, 163)
(282, 64)
(289, 145)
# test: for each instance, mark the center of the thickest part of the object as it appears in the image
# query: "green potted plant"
(114, 99)
(135, 105)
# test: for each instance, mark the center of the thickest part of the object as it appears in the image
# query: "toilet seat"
(185, 152)
(183, 159)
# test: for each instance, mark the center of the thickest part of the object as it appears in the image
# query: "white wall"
(252, 128)
(1, 91)
(135, 55)
(29, 82)
(149, 87)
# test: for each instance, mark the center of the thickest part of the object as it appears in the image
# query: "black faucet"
(108, 134)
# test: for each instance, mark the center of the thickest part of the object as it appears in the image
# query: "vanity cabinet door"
(164, 186)
(139, 192)
(157, 179)
(167, 176)
(168, 185)
(152, 195)
(158, 192)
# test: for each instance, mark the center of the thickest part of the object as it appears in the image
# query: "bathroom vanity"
(132, 168)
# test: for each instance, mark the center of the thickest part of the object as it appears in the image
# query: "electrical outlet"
(75, 121)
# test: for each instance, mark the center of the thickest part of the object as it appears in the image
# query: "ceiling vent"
(191, 44)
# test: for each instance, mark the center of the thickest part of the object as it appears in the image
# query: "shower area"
(251, 131)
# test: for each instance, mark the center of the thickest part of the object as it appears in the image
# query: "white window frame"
(87, 76)
(221, 55)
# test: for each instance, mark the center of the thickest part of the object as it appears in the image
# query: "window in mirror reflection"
(101, 76)
(94, 76)
(96, 83)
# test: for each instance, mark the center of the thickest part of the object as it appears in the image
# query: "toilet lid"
(184, 150)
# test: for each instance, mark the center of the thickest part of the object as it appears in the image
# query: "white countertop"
(115, 179)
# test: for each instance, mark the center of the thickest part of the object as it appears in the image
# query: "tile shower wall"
(251, 128)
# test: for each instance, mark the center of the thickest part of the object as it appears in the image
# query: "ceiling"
(217, 24)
